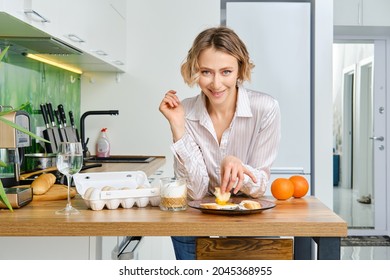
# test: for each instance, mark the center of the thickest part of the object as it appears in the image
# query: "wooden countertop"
(306, 217)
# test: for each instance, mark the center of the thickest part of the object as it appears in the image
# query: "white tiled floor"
(357, 215)
(365, 253)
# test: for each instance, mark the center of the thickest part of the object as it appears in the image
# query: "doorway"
(358, 133)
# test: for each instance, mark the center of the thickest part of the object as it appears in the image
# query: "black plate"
(265, 204)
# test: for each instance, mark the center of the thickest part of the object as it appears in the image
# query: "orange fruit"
(282, 188)
(301, 186)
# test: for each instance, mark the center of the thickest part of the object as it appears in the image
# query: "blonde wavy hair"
(221, 39)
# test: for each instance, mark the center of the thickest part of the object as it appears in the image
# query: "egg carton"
(116, 189)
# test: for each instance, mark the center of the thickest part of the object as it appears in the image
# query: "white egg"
(88, 192)
(108, 188)
(95, 194)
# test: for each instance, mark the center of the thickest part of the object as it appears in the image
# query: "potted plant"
(3, 196)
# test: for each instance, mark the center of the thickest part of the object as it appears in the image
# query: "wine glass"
(69, 162)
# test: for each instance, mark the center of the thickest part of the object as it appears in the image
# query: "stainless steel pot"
(40, 160)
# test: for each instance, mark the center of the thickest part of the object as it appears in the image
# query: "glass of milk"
(173, 192)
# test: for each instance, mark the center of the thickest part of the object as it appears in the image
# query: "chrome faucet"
(84, 142)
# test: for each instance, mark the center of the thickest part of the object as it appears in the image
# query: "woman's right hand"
(173, 111)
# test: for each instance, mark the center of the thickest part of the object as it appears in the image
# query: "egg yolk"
(220, 202)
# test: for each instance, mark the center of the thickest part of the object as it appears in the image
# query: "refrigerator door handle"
(287, 170)
(123, 251)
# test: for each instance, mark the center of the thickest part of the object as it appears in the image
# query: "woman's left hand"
(232, 173)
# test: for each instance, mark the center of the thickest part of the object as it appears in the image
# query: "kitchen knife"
(48, 132)
(68, 130)
(60, 128)
(54, 127)
(71, 118)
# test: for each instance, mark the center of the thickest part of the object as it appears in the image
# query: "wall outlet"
(39, 131)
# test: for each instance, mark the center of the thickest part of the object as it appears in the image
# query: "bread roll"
(221, 198)
(43, 183)
(250, 204)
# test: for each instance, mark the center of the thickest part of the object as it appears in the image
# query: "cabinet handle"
(359, 13)
(33, 13)
(75, 38)
(100, 52)
(118, 62)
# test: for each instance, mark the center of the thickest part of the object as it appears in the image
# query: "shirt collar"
(243, 103)
(199, 111)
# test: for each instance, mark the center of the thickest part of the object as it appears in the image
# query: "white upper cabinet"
(347, 12)
(97, 28)
(376, 12)
(41, 15)
(37, 13)
(361, 12)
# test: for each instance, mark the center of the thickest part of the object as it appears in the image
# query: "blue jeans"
(185, 247)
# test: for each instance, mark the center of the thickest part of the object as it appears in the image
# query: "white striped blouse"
(253, 136)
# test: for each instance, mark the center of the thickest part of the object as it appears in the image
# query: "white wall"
(159, 35)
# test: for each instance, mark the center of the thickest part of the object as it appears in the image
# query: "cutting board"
(56, 192)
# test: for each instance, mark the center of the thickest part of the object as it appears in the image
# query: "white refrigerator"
(278, 38)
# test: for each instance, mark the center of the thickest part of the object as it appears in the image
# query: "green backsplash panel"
(24, 80)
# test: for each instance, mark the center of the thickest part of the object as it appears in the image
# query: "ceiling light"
(57, 64)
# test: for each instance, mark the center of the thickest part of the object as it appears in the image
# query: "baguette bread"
(43, 183)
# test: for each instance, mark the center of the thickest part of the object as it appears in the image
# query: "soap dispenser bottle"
(103, 144)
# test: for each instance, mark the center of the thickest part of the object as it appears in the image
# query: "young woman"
(227, 136)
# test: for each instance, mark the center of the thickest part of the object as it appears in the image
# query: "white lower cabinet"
(47, 248)
(156, 248)
(84, 248)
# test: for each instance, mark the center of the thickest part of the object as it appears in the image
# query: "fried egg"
(221, 198)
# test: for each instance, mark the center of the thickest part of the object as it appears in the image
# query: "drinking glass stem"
(69, 179)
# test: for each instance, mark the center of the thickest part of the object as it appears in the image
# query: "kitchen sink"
(119, 159)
